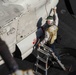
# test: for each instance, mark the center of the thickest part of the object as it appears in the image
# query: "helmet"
(49, 20)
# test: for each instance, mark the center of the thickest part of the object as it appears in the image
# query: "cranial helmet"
(49, 20)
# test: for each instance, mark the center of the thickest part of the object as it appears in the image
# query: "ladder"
(47, 53)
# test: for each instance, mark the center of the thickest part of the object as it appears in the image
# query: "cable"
(46, 7)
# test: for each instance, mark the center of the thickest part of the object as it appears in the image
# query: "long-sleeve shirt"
(56, 17)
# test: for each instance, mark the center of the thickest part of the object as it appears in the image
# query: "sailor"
(51, 30)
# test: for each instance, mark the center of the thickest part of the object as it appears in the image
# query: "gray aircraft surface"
(18, 22)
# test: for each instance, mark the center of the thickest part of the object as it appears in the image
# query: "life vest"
(52, 33)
